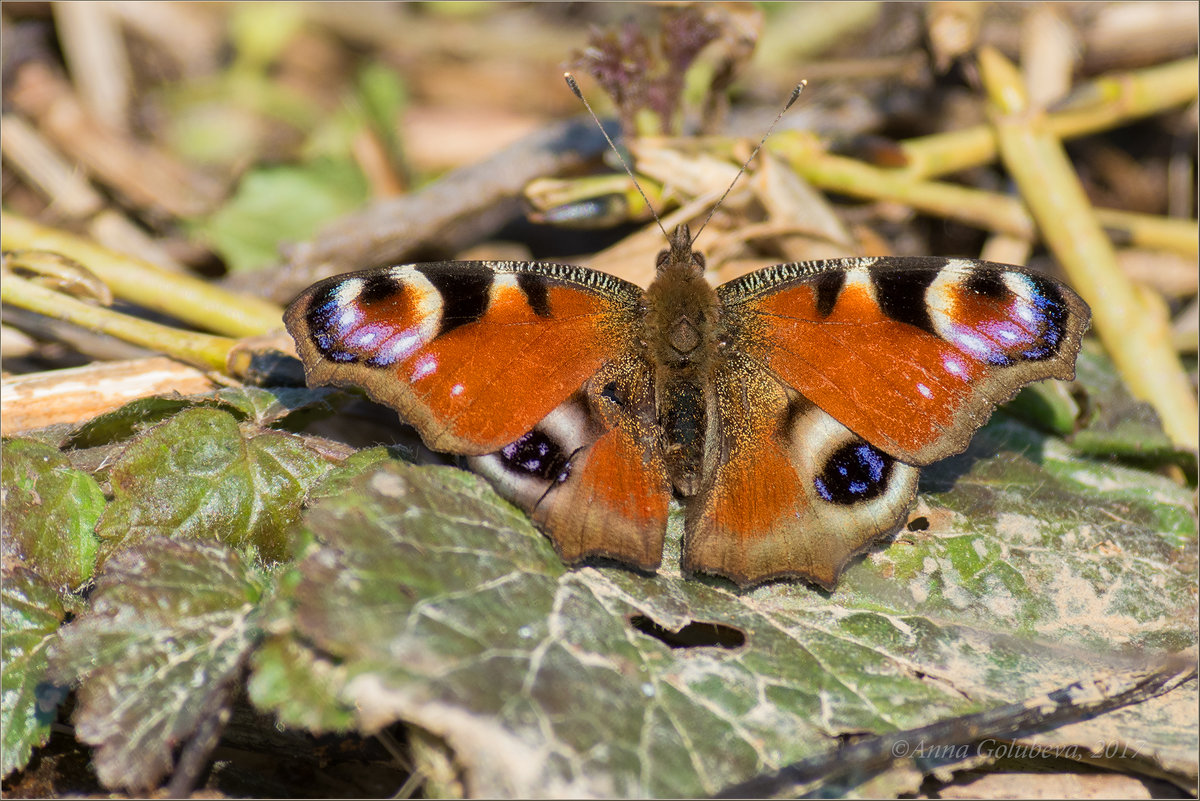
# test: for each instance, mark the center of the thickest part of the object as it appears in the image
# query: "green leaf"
(32, 613)
(50, 513)
(1118, 424)
(274, 205)
(170, 625)
(125, 421)
(448, 610)
(269, 407)
(382, 94)
(1047, 405)
(201, 476)
(261, 32)
(339, 479)
(300, 686)
(383, 97)
(262, 406)
(1027, 536)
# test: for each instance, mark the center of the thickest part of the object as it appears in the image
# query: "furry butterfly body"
(789, 410)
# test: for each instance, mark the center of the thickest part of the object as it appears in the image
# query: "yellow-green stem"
(1137, 338)
(986, 210)
(191, 300)
(850, 177)
(1106, 103)
(1169, 234)
(202, 350)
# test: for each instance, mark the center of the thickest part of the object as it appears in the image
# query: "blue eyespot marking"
(537, 455)
(856, 472)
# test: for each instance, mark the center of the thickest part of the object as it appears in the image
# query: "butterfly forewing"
(473, 354)
(910, 354)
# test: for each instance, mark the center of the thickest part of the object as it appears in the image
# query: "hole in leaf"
(697, 634)
(919, 523)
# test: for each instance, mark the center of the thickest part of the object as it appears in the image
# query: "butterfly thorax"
(683, 340)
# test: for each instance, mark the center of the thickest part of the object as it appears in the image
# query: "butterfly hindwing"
(591, 474)
(472, 354)
(910, 354)
(795, 494)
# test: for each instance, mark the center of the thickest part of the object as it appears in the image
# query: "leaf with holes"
(170, 626)
(200, 475)
(50, 511)
(32, 613)
(444, 607)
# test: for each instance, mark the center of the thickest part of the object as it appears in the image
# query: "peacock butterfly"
(789, 410)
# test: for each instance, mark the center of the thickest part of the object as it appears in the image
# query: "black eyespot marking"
(377, 288)
(1038, 316)
(856, 472)
(321, 307)
(999, 359)
(464, 293)
(829, 286)
(987, 283)
(534, 288)
(901, 295)
(535, 454)
(794, 409)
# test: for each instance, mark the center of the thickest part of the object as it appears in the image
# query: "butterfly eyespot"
(987, 284)
(856, 472)
(536, 454)
(378, 288)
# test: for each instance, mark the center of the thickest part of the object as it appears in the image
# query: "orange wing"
(797, 495)
(473, 354)
(592, 473)
(912, 355)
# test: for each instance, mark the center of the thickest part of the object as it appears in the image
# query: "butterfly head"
(680, 256)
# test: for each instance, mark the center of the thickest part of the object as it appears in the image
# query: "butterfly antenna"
(795, 94)
(575, 88)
